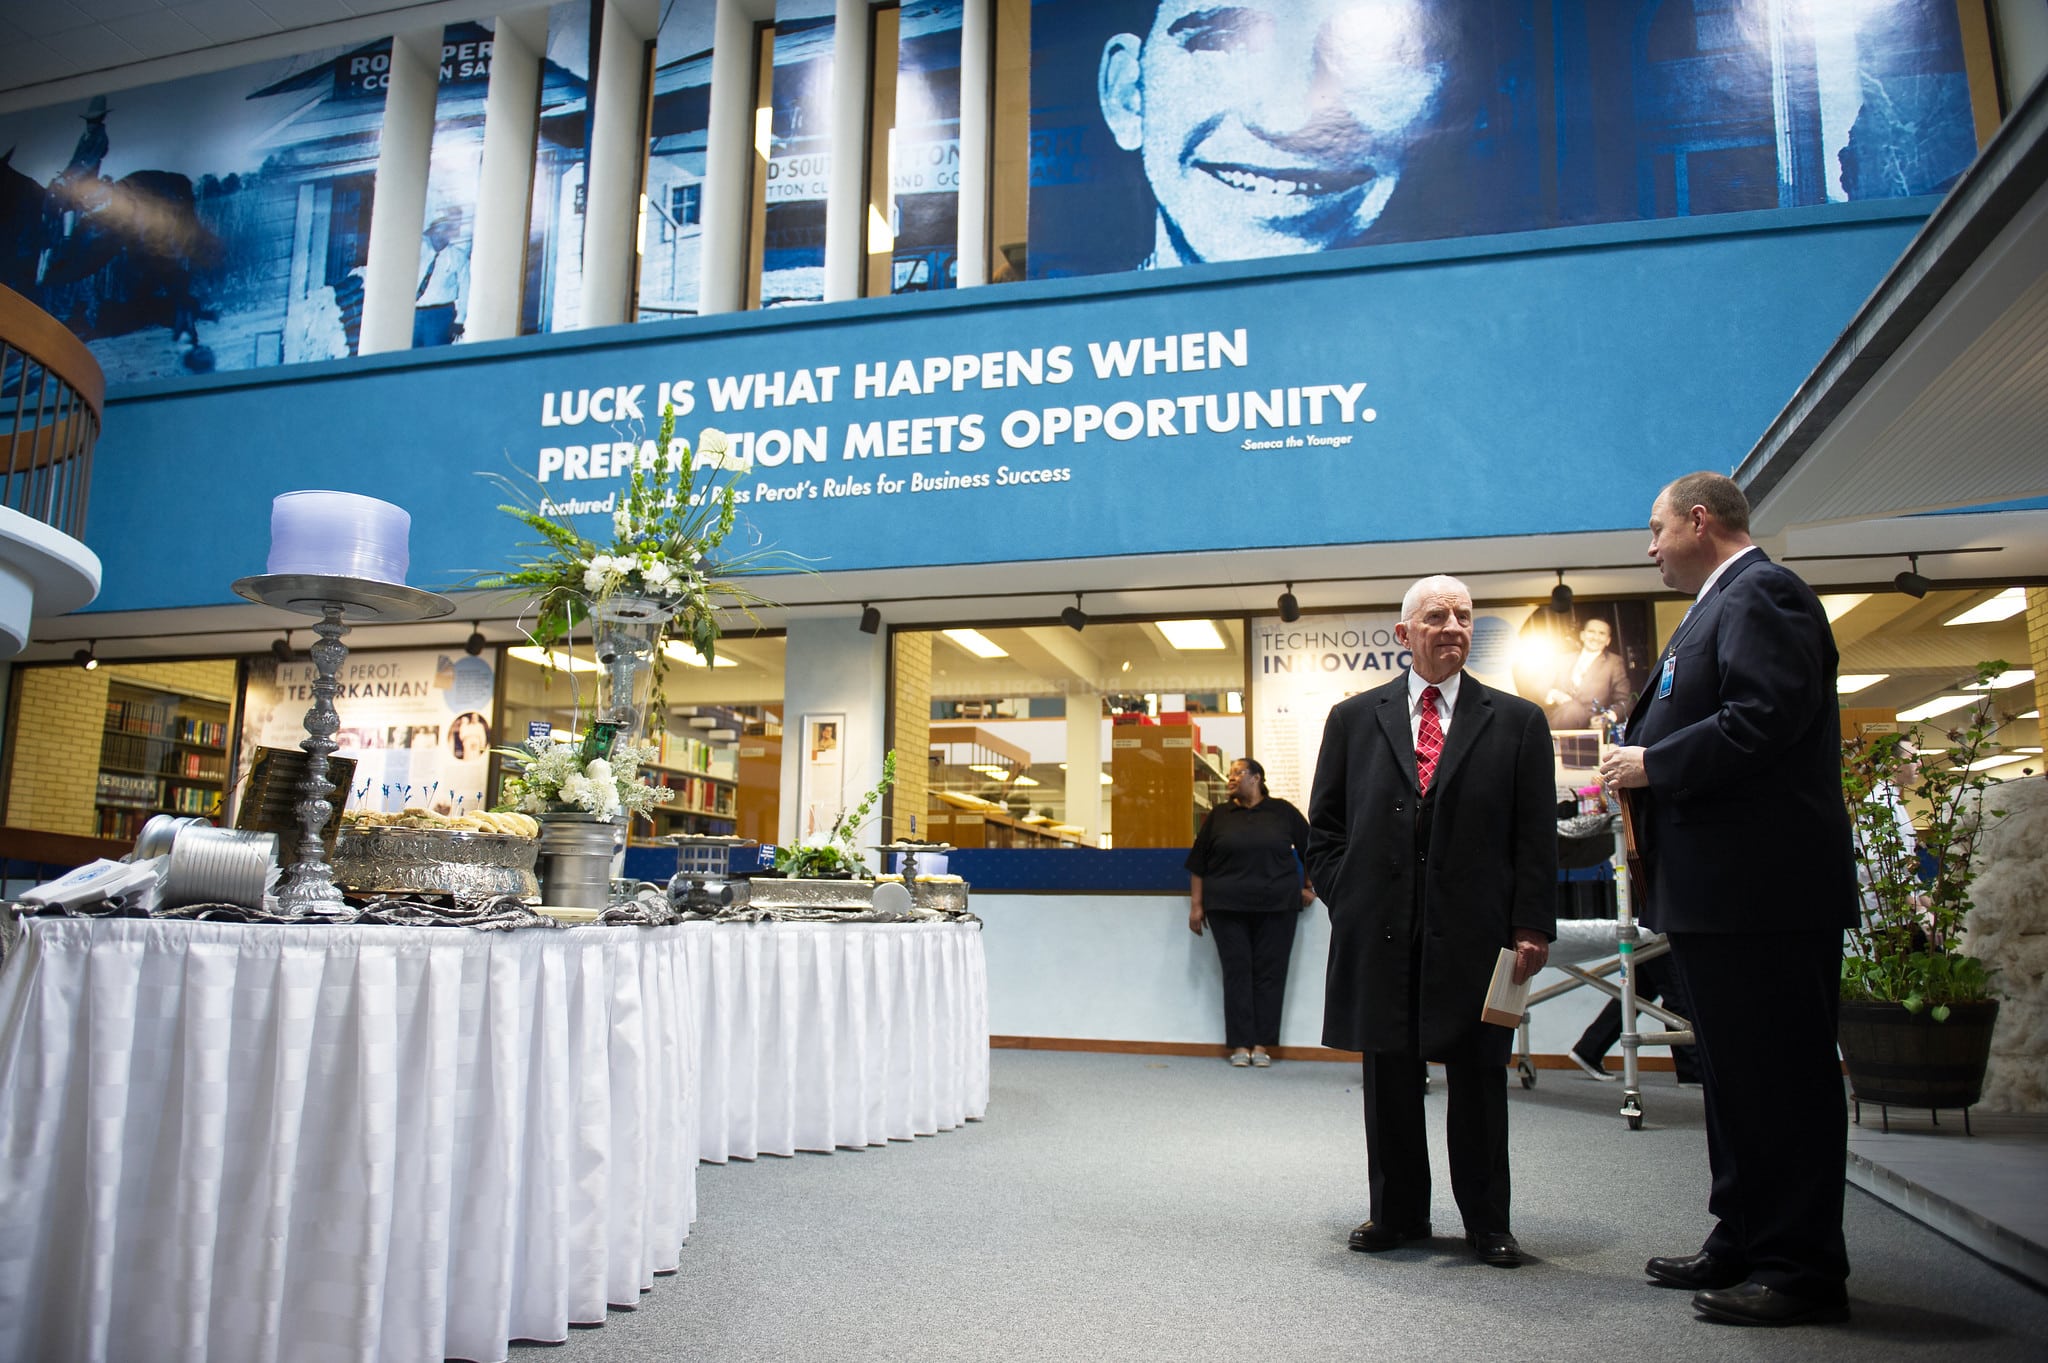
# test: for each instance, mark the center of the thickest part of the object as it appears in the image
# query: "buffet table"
(232, 1142)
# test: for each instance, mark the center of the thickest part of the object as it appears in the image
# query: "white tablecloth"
(816, 1036)
(296, 1144)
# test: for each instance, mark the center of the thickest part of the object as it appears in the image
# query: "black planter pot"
(1902, 1059)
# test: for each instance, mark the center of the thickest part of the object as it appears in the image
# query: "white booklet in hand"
(1506, 1001)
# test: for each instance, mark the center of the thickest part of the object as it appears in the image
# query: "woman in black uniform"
(1245, 882)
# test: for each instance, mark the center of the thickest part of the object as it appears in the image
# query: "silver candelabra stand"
(308, 888)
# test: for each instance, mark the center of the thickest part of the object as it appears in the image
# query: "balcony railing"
(51, 396)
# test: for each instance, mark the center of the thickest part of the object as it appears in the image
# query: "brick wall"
(2037, 645)
(912, 739)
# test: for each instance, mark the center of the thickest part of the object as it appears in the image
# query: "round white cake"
(339, 534)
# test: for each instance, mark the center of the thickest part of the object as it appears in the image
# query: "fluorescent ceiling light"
(1034, 818)
(1190, 636)
(1841, 603)
(2012, 676)
(1025, 781)
(2003, 759)
(1105, 778)
(542, 657)
(1940, 705)
(690, 657)
(977, 643)
(2031, 714)
(1850, 683)
(2003, 606)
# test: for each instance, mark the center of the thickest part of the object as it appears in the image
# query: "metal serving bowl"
(469, 866)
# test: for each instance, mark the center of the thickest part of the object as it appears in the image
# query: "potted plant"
(1917, 1007)
(661, 579)
(835, 855)
(581, 797)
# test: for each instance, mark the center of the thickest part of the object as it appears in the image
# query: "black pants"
(1254, 949)
(1397, 1141)
(1657, 980)
(1764, 1009)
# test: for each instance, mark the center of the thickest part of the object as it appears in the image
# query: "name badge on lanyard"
(1665, 678)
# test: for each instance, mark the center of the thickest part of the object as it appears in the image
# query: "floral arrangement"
(835, 853)
(1909, 948)
(554, 776)
(667, 531)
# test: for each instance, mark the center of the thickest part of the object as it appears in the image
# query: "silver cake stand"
(308, 887)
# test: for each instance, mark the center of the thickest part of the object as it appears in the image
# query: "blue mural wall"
(1523, 385)
(1171, 133)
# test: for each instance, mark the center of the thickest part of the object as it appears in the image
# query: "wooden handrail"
(50, 343)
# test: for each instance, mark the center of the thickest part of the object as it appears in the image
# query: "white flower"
(599, 771)
(577, 790)
(658, 575)
(714, 448)
(622, 523)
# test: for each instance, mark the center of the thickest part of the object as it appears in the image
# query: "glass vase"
(627, 630)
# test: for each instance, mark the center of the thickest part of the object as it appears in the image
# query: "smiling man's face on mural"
(1271, 128)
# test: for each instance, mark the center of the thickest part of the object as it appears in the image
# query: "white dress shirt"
(1447, 701)
(1715, 576)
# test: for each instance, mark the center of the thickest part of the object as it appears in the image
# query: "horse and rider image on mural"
(178, 228)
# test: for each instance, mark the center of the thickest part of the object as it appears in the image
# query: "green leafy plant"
(835, 853)
(668, 545)
(1909, 948)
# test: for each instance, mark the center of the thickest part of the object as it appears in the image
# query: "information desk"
(289, 1144)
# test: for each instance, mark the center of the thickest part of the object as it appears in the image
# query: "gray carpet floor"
(1138, 1208)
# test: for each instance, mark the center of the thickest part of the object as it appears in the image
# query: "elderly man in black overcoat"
(1433, 839)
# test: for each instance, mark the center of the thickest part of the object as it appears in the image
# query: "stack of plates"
(339, 534)
(220, 866)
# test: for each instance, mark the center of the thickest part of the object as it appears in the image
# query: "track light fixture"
(870, 619)
(475, 644)
(1561, 595)
(281, 647)
(1072, 616)
(1910, 582)
(1290, 609)
(86, 657)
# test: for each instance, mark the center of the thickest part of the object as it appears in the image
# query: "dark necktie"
(1429, 739)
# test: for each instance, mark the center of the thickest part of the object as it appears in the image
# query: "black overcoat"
(1490, 867)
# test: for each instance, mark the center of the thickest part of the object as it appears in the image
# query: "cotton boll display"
(2008, 930)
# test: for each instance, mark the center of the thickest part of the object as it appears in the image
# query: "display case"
(160, 753)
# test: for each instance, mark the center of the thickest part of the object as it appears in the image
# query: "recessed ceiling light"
(1840, 604)
(690, 657)
(977, 643)
(1940, 705)
(1190, 636)
(2012, 676)
(2003, 606)
(1850, 683)
(542, 657)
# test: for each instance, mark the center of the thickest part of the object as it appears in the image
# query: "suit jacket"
(1399, 982)
(1605, 684)
(1743, 827)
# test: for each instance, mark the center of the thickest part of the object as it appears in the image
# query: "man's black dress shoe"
(1495, 1247)
(1755, 1304)
(1372, 1237)
(1699, 1272)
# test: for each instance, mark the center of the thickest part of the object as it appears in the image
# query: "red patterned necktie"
(1429, 739)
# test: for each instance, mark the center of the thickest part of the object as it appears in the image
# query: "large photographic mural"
(213, 223)
(1178, 132)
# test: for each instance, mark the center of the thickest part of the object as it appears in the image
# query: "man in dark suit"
(1734, 768)
(1433, 839)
